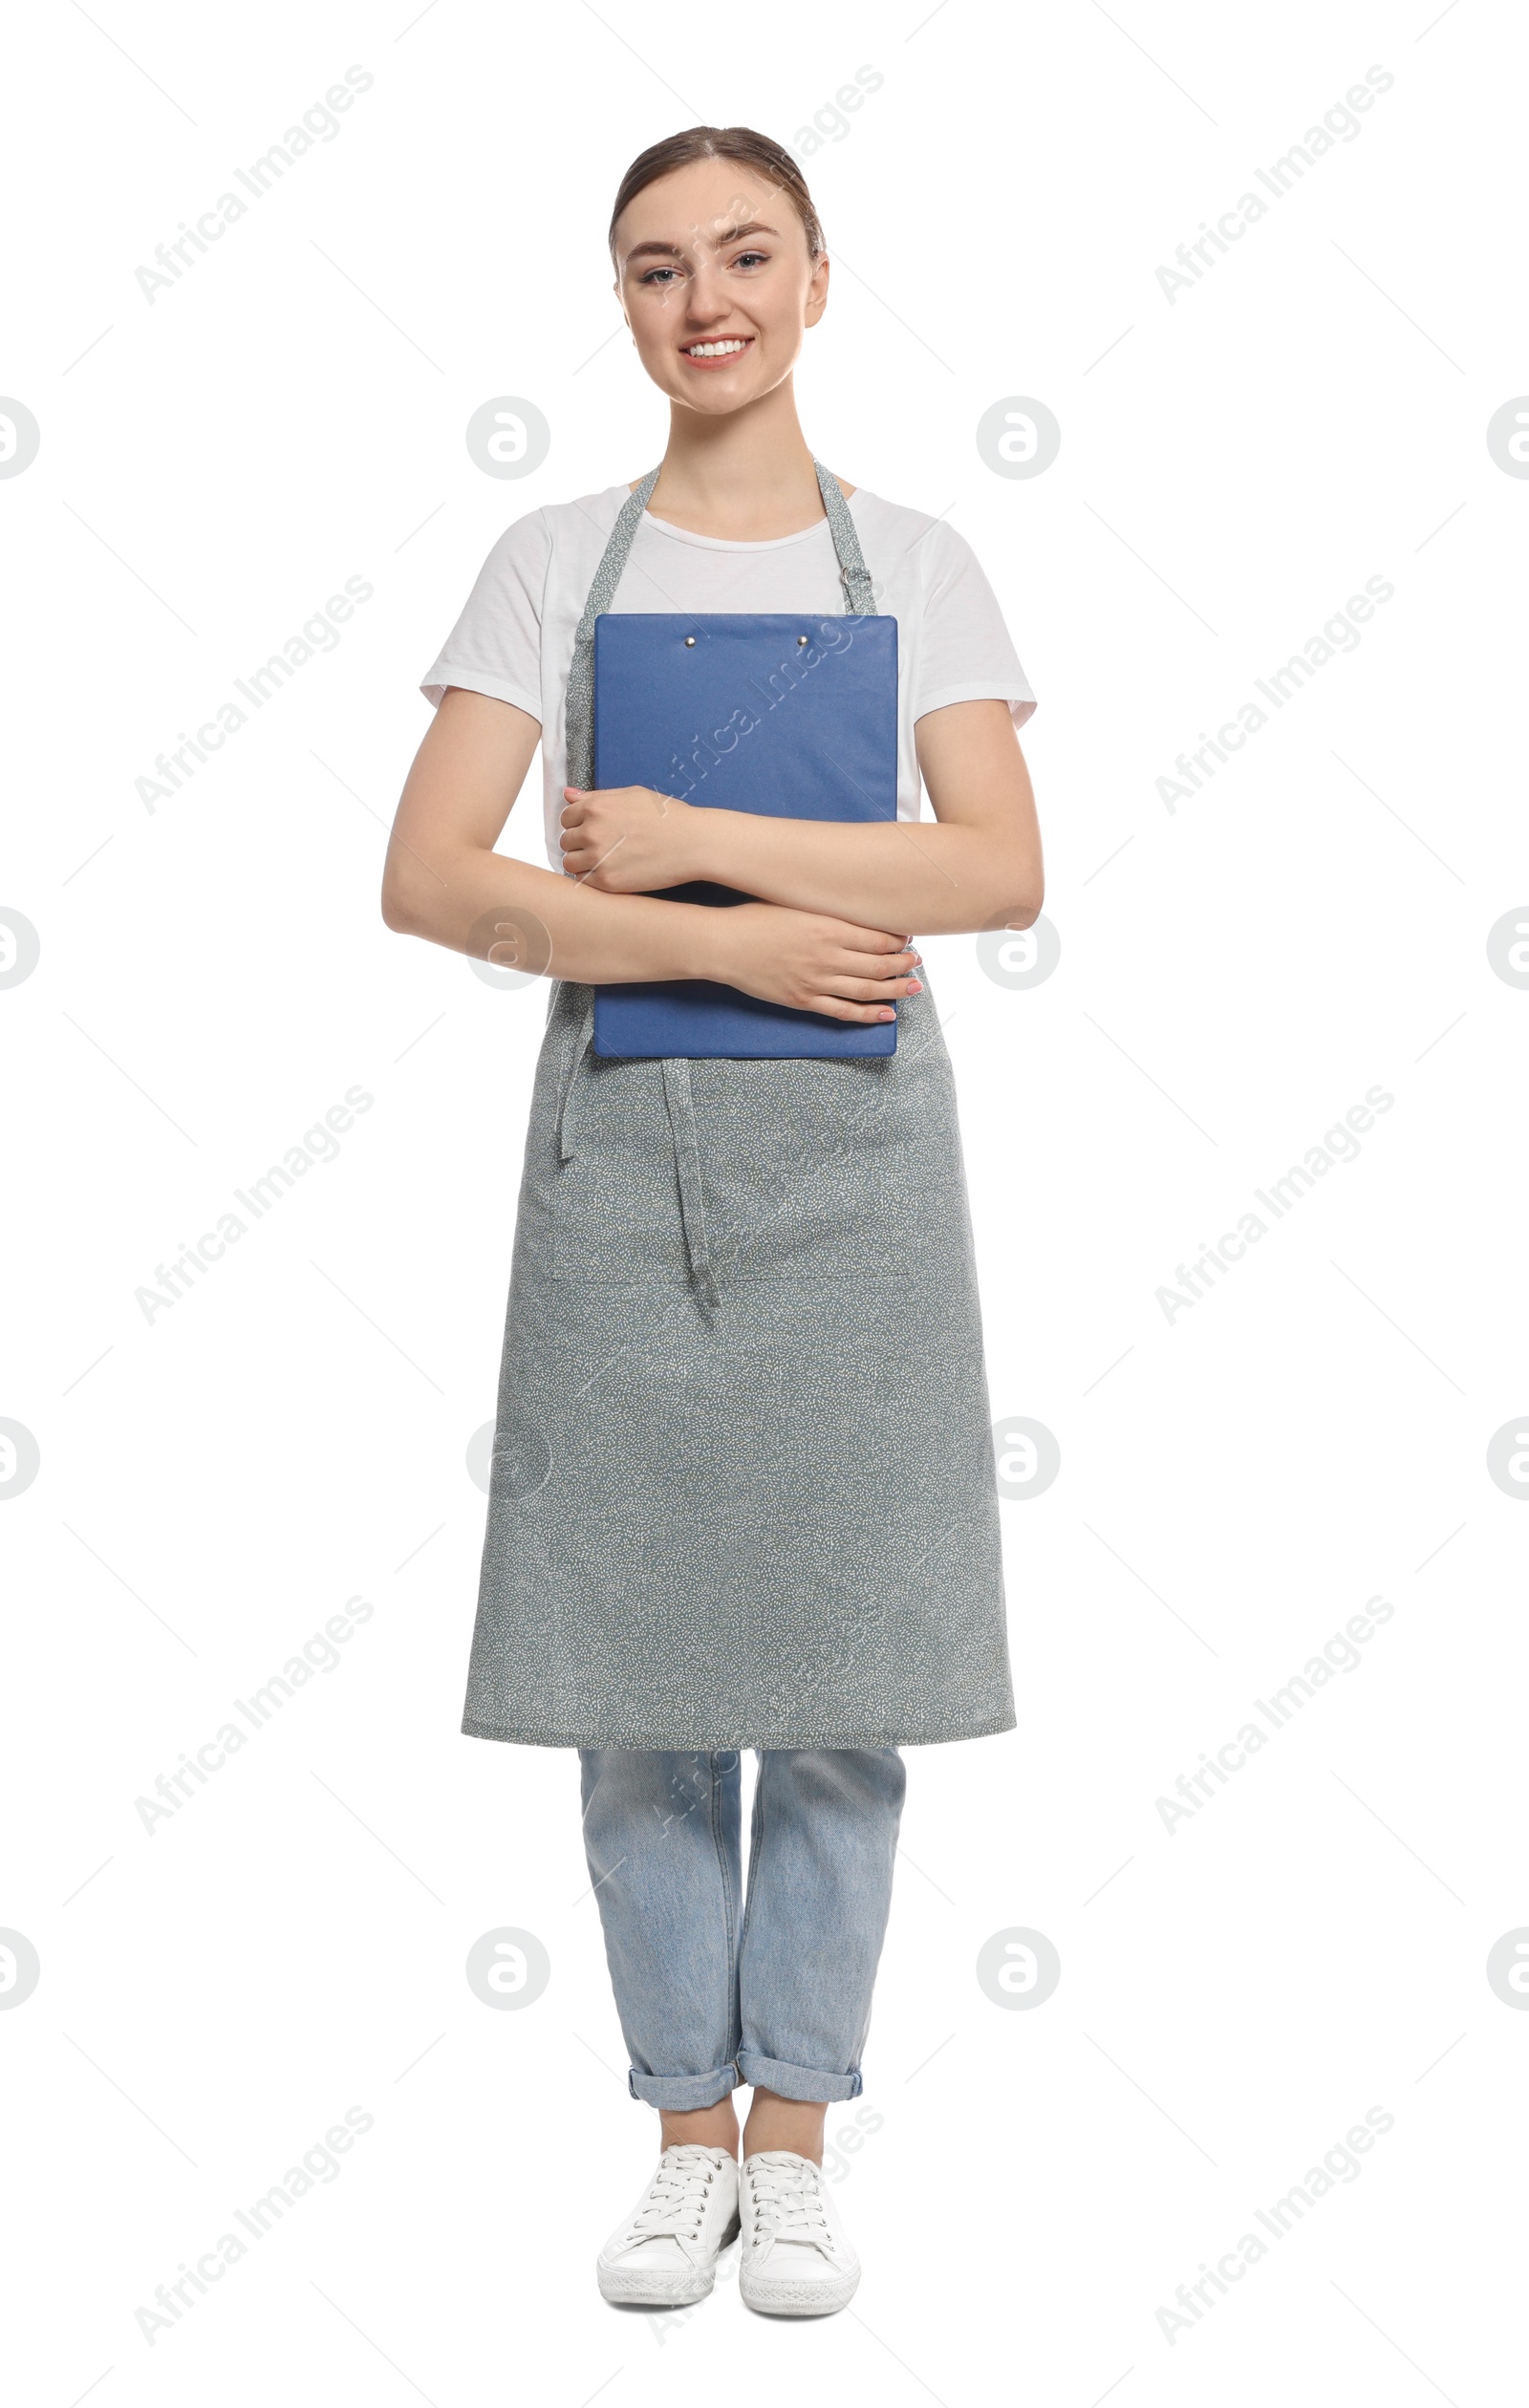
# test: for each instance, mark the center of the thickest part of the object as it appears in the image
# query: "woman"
(742, 1491)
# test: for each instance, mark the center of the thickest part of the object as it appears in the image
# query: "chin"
(719, 404)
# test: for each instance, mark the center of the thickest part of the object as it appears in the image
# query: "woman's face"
(714, 256)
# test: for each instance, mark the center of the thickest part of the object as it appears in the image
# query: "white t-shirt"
(514, 639)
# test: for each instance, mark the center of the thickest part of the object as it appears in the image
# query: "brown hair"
(738, 143)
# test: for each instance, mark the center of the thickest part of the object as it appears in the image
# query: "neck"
(746, 477)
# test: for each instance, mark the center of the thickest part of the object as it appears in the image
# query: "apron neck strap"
(614, 558)
(853, 569)
(579, 717)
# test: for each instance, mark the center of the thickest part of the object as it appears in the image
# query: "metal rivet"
(690, 640)
(800, 639)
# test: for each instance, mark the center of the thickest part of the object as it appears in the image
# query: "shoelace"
(676, 2197)
(787, 2201)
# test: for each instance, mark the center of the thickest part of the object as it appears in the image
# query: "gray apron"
(742, 1491)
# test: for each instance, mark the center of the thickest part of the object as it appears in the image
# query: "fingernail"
(915, 986)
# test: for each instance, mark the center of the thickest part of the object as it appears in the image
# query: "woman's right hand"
(814, 964)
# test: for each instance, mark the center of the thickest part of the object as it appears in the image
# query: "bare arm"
(980, 866)
(443, 881)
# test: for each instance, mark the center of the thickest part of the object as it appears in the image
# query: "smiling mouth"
(717, 351)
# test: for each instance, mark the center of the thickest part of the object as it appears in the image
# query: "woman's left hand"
(627, 840)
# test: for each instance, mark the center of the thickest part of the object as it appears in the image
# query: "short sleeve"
(496, 646)
(964, 653)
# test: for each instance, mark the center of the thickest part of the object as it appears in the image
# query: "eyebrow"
(672, 251)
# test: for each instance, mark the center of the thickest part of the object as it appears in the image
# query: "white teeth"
(713, 351)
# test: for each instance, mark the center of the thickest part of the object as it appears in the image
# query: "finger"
(589, 863)
(874, 940)
(876, 990)
(878, 941)
(835, 1007)
(864, 965)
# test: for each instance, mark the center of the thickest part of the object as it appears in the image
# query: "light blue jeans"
(782, 1996)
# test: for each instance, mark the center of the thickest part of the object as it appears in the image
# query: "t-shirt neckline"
(728, 543)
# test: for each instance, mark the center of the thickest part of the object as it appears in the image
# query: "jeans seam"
(756, 1849)
(731, 2013)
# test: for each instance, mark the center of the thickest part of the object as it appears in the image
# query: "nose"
(705, 302)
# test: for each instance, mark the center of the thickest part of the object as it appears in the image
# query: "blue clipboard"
(791, 716)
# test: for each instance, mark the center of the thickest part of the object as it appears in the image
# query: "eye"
(657, 276)
(751, 259)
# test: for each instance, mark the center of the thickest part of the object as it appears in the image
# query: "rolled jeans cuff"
(796, 2082)
(683, 2089)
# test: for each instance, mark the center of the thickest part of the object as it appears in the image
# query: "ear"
(817, 291)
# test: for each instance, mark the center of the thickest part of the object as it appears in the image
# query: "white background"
(1234, 976)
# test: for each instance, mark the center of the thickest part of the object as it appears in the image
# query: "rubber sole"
(797, 2299)
(627, 2288)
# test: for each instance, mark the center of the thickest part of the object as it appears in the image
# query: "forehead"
(698, 205)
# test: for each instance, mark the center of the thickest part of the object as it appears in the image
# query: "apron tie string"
(681, 1102)
(584, 1039)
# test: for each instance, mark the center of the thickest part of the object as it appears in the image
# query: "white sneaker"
(796, 2261)
(665, 2254)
